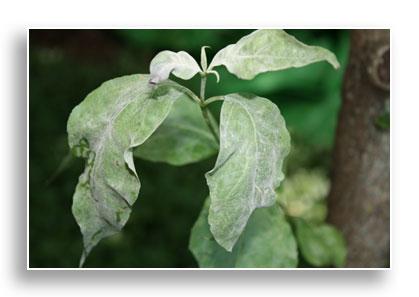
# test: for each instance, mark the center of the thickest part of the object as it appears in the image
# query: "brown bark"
(359, 201)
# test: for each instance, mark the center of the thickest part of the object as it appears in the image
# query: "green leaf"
(266, 242)
(182, 138)
(321, 245)
(253, 144)
(115, 118)
(181, 64)
(303, 195)
(269, 50)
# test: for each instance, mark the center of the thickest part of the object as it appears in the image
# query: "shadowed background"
(65, 65)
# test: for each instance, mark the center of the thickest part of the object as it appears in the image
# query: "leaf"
(182, 138)
(267, 241)
(113, 119)
(269, 50)
(303, 195)
(181, 64)
(321, 245)
(253, 144)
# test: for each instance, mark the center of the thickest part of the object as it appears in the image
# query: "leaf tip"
(227, 245)
(334, 61)
(82, 258)
(129, 160)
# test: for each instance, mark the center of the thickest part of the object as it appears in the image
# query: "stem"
(183, 89)
(210, 123)
(203, 84)
(208, 117)
(213, 99)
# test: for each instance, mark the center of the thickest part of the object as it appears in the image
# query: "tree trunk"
(359, 201)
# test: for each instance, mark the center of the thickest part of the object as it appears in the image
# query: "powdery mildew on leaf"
(253, 144)
(115, 118)
(269, 50)
(181, 64)
(266, 242)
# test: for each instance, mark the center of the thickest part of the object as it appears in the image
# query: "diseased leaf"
(115, 118)
(182, 138)
(321, 245)
(181, 64)
(267, 241)
(269, 50)
(303, 195)
(253, 144)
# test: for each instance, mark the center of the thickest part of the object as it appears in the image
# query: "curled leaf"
(181, 64)
(253, 144)
(113, 119)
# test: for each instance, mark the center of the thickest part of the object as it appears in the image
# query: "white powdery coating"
(269, 50)
(181, 64)
(253, 144)
(116, 117)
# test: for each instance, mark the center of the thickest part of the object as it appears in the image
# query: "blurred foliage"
(321, 245)
(303, 195)
(65, 65)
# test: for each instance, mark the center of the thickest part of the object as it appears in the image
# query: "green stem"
(208, 117)
(191, 94)
(213, 99)
(203, 84)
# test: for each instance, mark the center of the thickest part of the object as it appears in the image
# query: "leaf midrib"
(98, 153)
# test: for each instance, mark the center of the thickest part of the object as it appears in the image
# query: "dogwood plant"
(151, 117)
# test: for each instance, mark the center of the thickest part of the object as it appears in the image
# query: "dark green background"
(65, 65)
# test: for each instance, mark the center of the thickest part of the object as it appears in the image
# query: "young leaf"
(253, 144)
(181, 139)
(181, 64)
(266, 242)
(321, 245)
(115, 118)
(269, 50)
